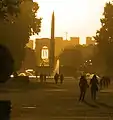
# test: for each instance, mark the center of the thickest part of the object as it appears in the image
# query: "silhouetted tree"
(87, 51)
(30, 59)
(71, 59)
(16, 30)
(104, 37)
(6, 64)
(9, 7)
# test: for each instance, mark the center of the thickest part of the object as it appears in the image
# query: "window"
(45, 53)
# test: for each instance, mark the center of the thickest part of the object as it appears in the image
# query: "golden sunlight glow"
(77, 17)
(45, 53)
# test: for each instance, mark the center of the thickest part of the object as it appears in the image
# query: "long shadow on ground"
(20, 87)
(104, 105)
(91, 105)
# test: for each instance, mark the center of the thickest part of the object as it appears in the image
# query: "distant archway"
(45, 53)
(42, 51)
(45, 56)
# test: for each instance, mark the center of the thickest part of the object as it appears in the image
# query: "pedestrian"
(94, 87)
(109, 80)
(41, 77)
(104, 82)
(36, 74)
(44, 77)
(101, 82)
(83, 84)
(56, 77)
(61, 78)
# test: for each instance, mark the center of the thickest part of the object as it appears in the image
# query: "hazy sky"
(77, 17)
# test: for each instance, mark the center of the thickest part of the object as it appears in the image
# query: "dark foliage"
(18, 26)
(6, 64)
(104, 37)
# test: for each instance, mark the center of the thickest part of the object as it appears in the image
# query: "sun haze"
(77, 17)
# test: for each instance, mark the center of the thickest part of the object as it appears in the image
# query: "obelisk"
(52, 42)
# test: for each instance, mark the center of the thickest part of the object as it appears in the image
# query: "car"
(30, 72)
(22, 74)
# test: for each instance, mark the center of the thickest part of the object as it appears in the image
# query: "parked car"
(22, 74)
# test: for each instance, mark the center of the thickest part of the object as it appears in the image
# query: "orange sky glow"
(77, 17)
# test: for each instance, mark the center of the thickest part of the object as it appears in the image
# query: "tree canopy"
(11, 7)
(18, 26)
(71, 57)
(30, 59)
(6, 64)
(104, 37)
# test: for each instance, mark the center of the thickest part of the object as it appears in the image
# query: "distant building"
(75, 40)
(66, 43)
(41, 52)
(59, 39)
(90, 41)
(30, 44)
(60, 44)
(45, 51)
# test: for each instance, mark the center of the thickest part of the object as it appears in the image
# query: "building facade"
(75, 40)
(90, 41)
(42, 51)
(60, 44)
(45, 51)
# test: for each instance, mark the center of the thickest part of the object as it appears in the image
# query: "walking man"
(56, 77)
(94, 87)
(61, 78)
(83, 87)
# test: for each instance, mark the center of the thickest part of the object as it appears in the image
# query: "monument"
(52, 43)
(45, 51)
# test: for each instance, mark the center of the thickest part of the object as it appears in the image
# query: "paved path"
(57, 102)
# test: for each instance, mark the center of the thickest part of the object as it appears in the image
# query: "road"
(49, 101)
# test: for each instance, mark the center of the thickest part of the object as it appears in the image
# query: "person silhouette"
(102, 82)
(45, 76)
(61, 78)
(36, 74)
(94, 87)
(41, 78)
(83, 87)
(56, 77)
